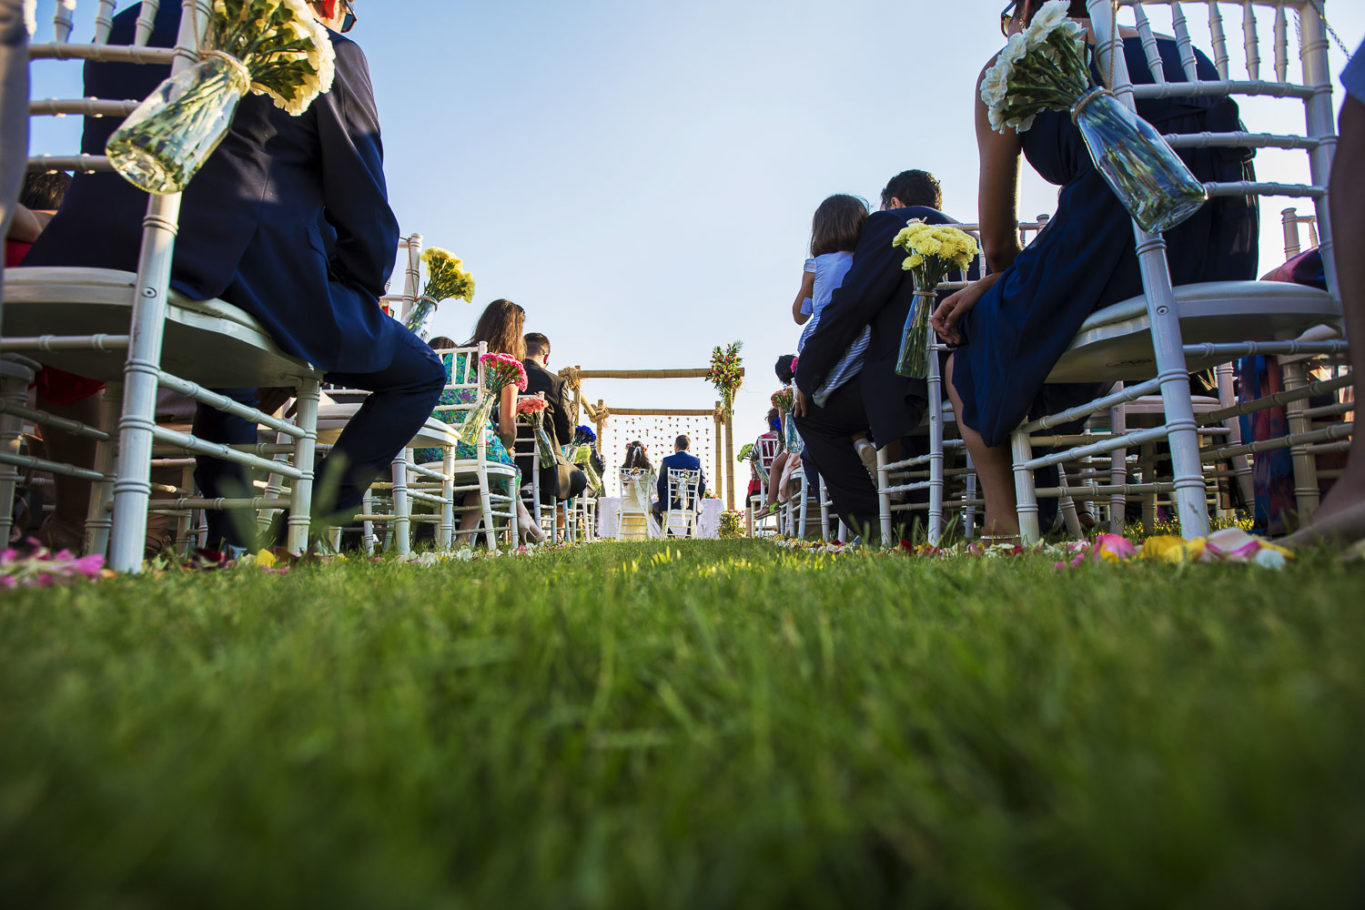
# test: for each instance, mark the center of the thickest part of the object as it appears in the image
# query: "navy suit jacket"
(288, 219)
(684, 461)
(876, 292)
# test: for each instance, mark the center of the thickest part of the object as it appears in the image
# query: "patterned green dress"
(460, 365)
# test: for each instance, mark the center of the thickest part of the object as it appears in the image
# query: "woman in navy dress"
(1014, 325)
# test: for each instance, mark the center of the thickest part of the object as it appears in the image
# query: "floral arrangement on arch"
(726, 373)
(274, 48)
(932, 252)
(1046, 68)
(500, 370)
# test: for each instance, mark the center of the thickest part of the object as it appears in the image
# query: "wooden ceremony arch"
(600, 414)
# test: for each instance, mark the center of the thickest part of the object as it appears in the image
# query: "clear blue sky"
(641, 177)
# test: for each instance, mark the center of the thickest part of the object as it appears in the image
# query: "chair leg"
(1118, 466)
(969, 512)
(367, 538)
(301, 500)
(490, 534)
(1067, 505)
(14, 390)
(1306, 496)
(402, 505)
(445, 538)
(184, 524)
(935, 390)
(883, 497)
(1026, 500)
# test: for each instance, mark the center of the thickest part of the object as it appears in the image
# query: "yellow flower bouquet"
(932, 252)
(274, 48)
(446, 279)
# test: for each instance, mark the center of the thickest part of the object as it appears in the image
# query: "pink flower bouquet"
(500, 370)
(532, 407)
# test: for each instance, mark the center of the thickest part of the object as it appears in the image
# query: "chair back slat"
(412, 273)
(62, 21)
(1249, 42)
(1281, 45)
(146, 20)
(104, 21)
(1149, 44)
(1183, 41)
(1220, 40)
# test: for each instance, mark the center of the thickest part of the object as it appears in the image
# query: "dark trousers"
(401, 398)
(828, 434)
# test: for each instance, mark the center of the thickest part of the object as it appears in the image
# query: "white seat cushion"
(1115, 343)
(207, 341)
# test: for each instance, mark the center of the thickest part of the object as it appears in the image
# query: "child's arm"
(800, 307)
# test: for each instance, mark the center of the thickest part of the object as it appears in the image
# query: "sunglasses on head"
(348, 21)
(1006, 17)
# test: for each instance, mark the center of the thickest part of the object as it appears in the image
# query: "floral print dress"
(458, 366)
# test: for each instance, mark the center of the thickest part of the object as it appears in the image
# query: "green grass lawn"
(715, 724)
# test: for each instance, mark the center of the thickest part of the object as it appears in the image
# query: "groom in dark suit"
(289, 220)
(682, 460)
(876, 292)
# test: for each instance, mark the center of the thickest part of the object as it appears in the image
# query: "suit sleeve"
(869, 284)
(661, 485)
(355, 193)
(563, 427)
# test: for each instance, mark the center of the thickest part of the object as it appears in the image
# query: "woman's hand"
(800, 404)
(947, 319)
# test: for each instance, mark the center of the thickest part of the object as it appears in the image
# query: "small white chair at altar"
(682, 488)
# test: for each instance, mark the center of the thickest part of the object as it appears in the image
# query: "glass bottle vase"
(418, 321)
(791, 439)
(169, 136)
(913, 362)
(1142, 169)
(477, 420)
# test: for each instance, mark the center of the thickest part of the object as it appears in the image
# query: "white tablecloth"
(708, 523)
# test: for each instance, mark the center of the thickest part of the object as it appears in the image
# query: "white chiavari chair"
(137, 334)
(1152, 342)
(766, 450)
(931, 472)
(540, 503)
(681, 487)
(633, 522)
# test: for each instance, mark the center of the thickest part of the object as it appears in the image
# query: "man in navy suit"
(876, 292)
(289, 220)
(682, 460)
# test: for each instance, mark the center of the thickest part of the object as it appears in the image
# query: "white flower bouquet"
(932, 252)
(274, 48)
(1046, 67)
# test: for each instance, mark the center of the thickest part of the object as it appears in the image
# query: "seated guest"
(638, 493)
(587, 457)
(564, 481)
(681, 459)
(500, 329)
(875, 292)
(1013, 325)
(289, 220)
